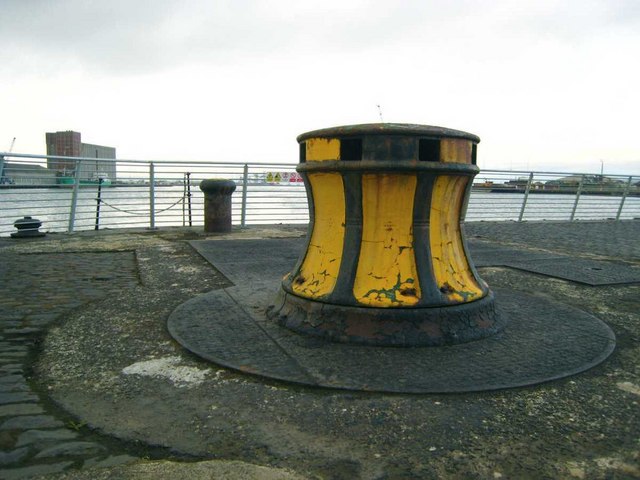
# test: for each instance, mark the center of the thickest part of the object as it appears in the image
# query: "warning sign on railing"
(283, 177)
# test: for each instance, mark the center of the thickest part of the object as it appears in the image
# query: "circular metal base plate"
(543, 340)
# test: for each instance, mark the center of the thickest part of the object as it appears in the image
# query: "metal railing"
(70, 193)
(530, 196)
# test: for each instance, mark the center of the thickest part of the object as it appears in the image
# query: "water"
(547, 206)
(129, 206)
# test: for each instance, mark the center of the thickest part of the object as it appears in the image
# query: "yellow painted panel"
(450, 265)
(455, 150)
(319, 270)
(321, 149)
(387, 275)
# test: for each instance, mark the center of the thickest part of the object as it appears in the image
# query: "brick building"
(69, 144)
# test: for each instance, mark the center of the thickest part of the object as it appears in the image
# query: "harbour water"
(175, 205)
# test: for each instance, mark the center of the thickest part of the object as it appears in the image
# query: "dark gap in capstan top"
(351, 149)
(429, 150)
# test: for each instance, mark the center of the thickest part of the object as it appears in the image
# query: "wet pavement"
(90, 379)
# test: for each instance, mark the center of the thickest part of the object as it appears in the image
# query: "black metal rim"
(365, 129)
(367, 166)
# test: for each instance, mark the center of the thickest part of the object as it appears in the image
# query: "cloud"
(539, 79)
(61, 33)
(146, 35)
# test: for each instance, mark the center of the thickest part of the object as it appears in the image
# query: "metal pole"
(245, 182)
(98, 200)
(624, 197)
(526, 197)
(184, 196)
(189, 196)
(152, 197)
(1, 169)
(575, 205)
(74, 197)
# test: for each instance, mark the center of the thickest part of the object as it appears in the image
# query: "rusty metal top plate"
(366, 129)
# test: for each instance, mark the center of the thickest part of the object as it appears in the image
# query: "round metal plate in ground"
(543, 340)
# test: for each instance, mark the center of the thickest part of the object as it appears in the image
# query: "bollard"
(27, 228)
(217, 204)
(386, 261)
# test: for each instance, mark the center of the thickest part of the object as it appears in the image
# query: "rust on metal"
(386, 261)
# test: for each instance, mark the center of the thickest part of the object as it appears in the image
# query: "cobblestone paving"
(35, 437)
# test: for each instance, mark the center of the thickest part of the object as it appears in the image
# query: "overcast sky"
(547, 85)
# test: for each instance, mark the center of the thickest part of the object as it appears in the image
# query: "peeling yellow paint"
(319, 270)
(454, 150)
(322, 149)
(450, 265)
(387, 275)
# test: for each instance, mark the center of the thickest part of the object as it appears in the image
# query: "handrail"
(151, 193)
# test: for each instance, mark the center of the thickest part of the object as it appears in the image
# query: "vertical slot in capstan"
(351, 149)
(429, 150)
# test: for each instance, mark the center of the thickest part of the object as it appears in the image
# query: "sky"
(546, 85)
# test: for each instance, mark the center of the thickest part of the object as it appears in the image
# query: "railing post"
(624, 197)
(526, 196)
(98, 200)
(74, 197)
(245, 182)
(575, 205)
(184, 196)
(189, 196)
(152, 197)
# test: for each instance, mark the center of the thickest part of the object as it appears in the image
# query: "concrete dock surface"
(93, 386)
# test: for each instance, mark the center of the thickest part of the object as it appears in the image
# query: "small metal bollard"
(217, 204)
(27, 228)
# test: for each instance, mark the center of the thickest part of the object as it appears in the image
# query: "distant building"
(69, 144)
(21, 174)
(586, 180)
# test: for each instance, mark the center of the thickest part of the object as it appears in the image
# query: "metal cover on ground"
(544, 340)
(483, 255)
(590, 272)
(580, 270)
(237, 258)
